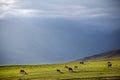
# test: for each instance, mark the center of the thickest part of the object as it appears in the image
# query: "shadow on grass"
(75, 71)
(24, 79)
(95, 78)
(15, 78)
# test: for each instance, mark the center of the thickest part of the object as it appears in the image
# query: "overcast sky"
(52, 31)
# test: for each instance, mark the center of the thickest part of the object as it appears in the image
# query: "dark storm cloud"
(44, 31)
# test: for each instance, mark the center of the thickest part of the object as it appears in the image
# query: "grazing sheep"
(81, 62)
(58, 70)
(23, 72)
(70, 69)
(109, 64)
(65, 66)
(75, 67)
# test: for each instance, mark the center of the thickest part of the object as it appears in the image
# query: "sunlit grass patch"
(90, 70)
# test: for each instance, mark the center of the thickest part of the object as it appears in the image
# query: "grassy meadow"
(90, 70)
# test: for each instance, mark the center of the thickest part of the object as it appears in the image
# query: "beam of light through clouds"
(59, 8)
(10, 8)
(51, 31)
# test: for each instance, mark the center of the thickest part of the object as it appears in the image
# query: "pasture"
(90, 70)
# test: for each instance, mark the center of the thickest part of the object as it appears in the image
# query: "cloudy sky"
(52, 31)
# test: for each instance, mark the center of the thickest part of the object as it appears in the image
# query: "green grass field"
(90, 70)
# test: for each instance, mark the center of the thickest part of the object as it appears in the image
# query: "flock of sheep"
(109, 64)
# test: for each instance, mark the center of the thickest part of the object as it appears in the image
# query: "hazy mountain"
(102, 56)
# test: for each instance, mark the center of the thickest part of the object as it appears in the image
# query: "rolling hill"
(102, 56)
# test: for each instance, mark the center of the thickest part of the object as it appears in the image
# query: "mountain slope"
(102, 56)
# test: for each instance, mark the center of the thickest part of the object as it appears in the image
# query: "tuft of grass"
(91, 70)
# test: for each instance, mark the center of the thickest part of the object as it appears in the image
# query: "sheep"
(109, 64)
(75, 67)
(58, 70)
(81, 62)
(70, 69)
(65, 66)
(23, 72)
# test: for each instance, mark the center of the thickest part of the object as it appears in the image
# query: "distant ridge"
(103, 56)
